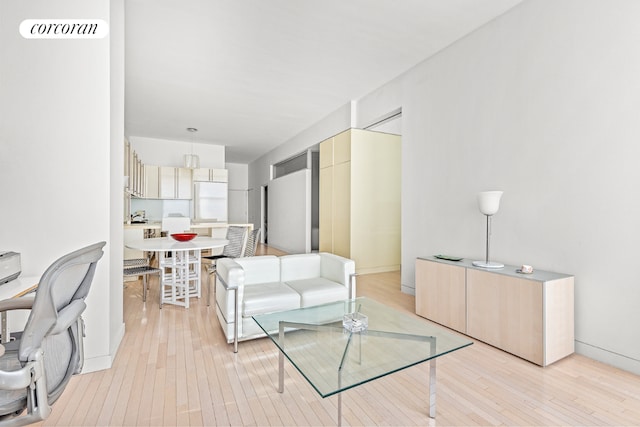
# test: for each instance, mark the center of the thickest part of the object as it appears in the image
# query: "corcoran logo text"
(64, 28)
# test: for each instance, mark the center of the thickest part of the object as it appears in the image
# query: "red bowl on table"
(184, 237)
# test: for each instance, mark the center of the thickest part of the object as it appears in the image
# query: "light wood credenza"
(528, 315)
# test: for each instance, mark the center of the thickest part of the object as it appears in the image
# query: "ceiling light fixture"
(191, 161)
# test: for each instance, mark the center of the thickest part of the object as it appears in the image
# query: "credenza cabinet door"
(506, 312)
(440, 294)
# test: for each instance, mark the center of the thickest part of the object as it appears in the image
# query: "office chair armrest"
(68, 316)
(22, 303)
(16, 380)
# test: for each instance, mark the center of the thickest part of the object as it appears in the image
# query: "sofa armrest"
(231, 276)
(337, 268)
(230, 273)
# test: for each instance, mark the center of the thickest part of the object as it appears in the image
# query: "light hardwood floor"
(174, 368)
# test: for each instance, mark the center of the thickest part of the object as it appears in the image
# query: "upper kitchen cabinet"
(151, 182)
(174, 183)
(133, 170)
(360, 199)
(210, 175)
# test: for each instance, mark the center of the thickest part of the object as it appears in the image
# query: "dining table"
(180, 265)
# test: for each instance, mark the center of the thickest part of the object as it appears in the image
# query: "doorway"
(264, 209)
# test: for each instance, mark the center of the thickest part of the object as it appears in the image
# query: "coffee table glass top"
(333, 359)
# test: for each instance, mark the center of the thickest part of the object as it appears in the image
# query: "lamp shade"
(191, 161)
(489, 202)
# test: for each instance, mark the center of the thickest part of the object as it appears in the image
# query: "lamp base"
(489, 264)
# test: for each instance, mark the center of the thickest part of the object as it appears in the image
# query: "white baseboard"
(99, 363)
(407, 289)
(383, 269)
(610, 358)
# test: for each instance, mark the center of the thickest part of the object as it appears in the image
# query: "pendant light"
(191, 161)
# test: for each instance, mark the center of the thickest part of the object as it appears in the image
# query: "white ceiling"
(252, 74)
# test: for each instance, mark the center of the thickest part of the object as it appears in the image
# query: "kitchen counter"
(157, 225)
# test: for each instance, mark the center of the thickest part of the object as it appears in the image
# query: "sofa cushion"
(267, 298)
(318, 291)
(299, 266)
(260, 269)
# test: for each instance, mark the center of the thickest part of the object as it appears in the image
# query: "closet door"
(342, 209)
(326, 210)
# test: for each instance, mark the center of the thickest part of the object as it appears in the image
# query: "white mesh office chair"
(236, 236)
(38, 364)
(252, 243)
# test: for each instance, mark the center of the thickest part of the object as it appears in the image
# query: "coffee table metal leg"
(281, 360)
(432, 388)
(236, 318)
(340, 397)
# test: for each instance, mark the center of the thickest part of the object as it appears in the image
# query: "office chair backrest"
(53, 323)
(236, 237)
(252, 242)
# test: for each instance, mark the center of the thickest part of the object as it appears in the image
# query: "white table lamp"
(488, 203)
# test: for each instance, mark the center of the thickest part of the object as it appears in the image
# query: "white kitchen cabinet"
(151, 182)
(210, 175)
(131, 235)
(134, 170)
(174, 183)
(360, 199)
(167, 182)
(183, 183)
(201, 175)
(127, 166)
(219, 175)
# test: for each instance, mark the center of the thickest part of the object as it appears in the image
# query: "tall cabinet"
(359, 210)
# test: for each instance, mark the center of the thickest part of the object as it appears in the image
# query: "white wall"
(238, 192)
(116, 315)
(260, 169)
(56, 158)
(290, 212)
(543, 104)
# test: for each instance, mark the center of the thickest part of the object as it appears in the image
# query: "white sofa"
(265, 284)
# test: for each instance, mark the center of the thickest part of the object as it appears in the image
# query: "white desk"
(180, 277)
(18, 318)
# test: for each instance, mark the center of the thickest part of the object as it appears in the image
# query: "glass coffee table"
(341, 345)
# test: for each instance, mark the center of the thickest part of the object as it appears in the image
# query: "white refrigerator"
(210, 201)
